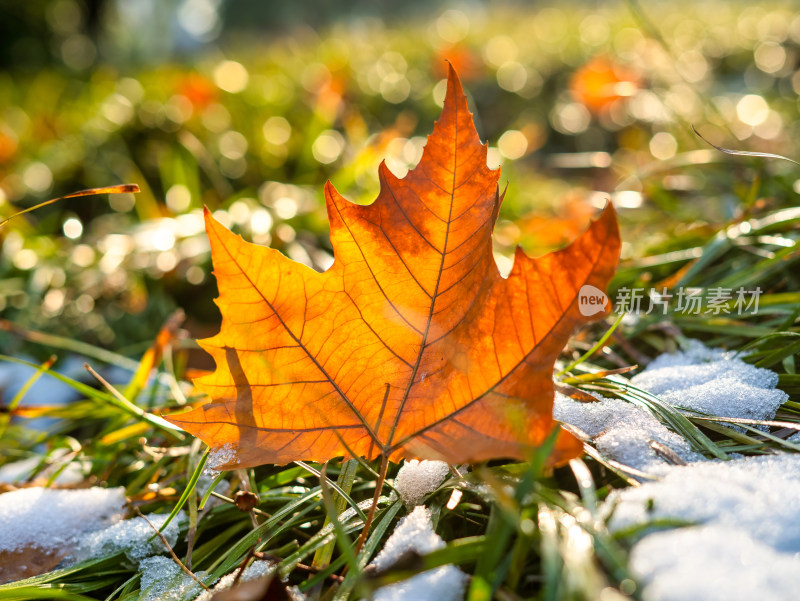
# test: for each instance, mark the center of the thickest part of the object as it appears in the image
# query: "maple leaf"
(600, 82)
(412, 344)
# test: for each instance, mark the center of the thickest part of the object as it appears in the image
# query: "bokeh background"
(249, 107)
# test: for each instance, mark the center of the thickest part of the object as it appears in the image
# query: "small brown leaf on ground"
(28, 561)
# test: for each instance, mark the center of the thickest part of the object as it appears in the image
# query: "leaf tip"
(454, 88)
(609, 217)
(209, 219)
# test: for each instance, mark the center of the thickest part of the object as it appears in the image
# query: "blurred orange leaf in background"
(541, 233)
(600, 82)
(200, 90)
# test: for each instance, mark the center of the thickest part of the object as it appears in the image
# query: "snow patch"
(747, 531)
(163, 580)
(46, 518)
(205, 481)
(255, 570)
(87, 523)
(711, 563)
(623, 431)
(415, 533)
(694, 353)
(747, 494)
(416, 479)
(707, 380)
(593, 418)
(134, 537)
(219, 457)
(713, 381)
(628, 441)
(729, 397)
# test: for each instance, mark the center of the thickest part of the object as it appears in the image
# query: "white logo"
(591, 300)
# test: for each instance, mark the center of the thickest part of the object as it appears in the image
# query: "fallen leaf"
(600, 82)
(266, 588)
(28, 561)
(412, 344)
(542, 233)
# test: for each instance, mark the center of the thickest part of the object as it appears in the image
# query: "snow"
(415, 533)
(593, 418)
(743, 537)
(659, 378)
(134, 537)
(707, 380)
(729, 397)
(87, 524)
(713, 381)
(711, 563)
(205, 481)
(219, 457)
(39, 517)
(747, 530)
(164, 580)
(416, 479)
(748, 494)
(255, 570)
(623, 431)
(628, 442)
(695, 352)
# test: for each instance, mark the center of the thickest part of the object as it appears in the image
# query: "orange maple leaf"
(600, 82)
(412, 344)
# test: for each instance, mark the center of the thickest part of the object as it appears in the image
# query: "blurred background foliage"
(248, 108)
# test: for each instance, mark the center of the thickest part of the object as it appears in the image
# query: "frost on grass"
(746, 529)
(707, 380)
(713, 381)
(41, 517)
(414, 533)
(623, 431)
(255, 570)
(163, 580)
(416, 479)
(134, 537)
